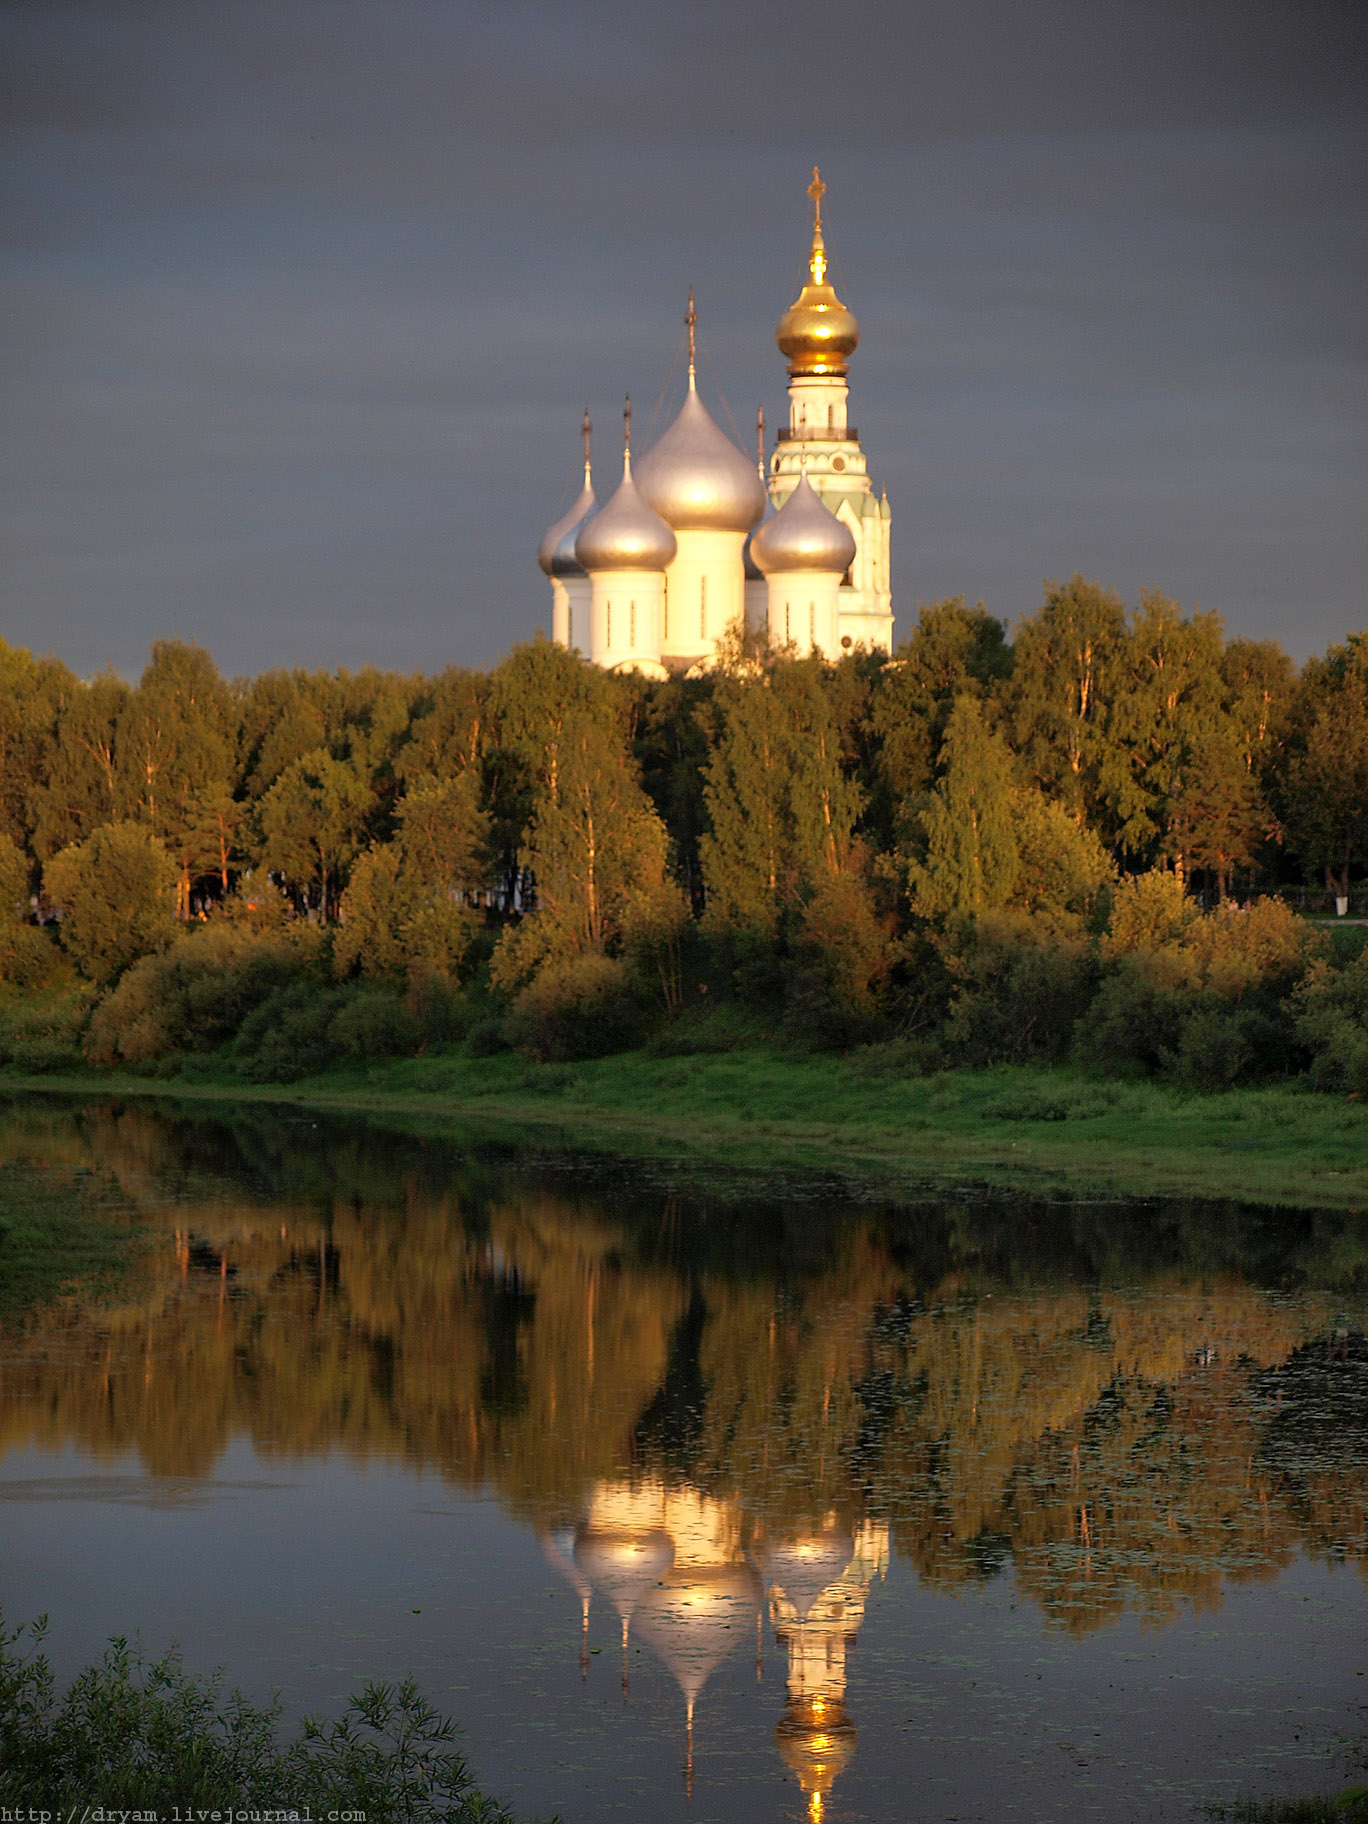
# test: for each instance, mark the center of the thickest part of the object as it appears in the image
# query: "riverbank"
(763, 1110)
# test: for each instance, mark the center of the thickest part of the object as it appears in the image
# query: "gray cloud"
(303, 303)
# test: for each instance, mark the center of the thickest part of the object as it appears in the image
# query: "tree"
(1168, 707)
(594, 855)
(781, 809)
(32, 693)
(174, 744)
(972, 859)
(116, 894)
(954, 651)
(312, 826)
(1068, 663)
(82, 788)
(1326, 790)
(400, 910)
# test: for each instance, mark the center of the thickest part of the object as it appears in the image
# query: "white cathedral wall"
(802, 609)
(624, 617)
(705, 593)
(570, 599)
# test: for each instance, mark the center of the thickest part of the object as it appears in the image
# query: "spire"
(588, 431)
(817, 262)
(760, 443)
(627, 434)
(691, 324)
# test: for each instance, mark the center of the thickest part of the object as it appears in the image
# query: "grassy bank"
(770, 1111)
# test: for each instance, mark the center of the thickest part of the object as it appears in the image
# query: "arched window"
(788, 628)
(812, 623)
(608, 629)
(631, 626)
(831, 417)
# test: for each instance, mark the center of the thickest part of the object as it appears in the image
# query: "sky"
(302, 300)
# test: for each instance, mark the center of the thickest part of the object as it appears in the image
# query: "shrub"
(289, 1035)
(149, 1736)
(195, 995)
(46, 1035)
(1020, 989)
(1331, 1014)
(841, 958)
(375, 1023)
(117, 894)
(1132, 1025)
(585, 1007)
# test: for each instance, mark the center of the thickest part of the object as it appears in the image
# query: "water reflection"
(722, 1418)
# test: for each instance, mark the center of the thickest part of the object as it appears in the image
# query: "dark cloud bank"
(304, 300)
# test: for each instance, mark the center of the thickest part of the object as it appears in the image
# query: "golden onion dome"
(817, 332)
(816, 1740)
(627, 534)
(803, 535)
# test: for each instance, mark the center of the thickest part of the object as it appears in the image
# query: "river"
(699, 1499)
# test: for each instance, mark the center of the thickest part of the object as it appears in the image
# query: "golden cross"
(816, 190)
(587, 428)
(627, 423)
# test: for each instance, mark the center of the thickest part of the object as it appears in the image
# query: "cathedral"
(698, 539)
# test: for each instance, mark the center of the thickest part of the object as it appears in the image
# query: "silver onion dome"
(627, 534)
(556, 553)
(803, 535)
(697, 479)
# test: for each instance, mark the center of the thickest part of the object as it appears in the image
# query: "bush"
(149, 1736)
(1020, 989)
(196, 995)
(1132, 1026)
(289, 1035)
(1331, 1013)
(585, 1007)
(46, 1035)
(376, 1023)
(117, 895)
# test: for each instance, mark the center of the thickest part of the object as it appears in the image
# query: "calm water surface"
(695, 1506)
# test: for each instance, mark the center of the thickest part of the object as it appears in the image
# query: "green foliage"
(781, 808)
(1019, 990)
(376, 1023)
(1332, 1022)
(973, 858)
(577, 1007)
(146, 1735)
(195, 996)
(116, 893)
(288, 1035)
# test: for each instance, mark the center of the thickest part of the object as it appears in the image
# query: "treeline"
(981, 849)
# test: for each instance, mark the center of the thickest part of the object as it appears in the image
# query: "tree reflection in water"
(716, 1410)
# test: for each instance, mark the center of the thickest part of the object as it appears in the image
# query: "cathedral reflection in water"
(688, 1573)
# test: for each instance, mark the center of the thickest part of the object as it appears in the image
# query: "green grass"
(52, 1241)
(765, 1109)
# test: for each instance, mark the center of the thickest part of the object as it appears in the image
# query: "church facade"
(698, 538)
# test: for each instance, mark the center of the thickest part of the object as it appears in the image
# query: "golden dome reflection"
(817, 333)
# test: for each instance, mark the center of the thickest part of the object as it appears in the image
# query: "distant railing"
(848, 435)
